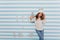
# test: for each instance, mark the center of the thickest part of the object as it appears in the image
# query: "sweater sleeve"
(44, 21)
(33, 20)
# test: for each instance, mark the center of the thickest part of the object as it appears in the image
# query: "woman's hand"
(31, 17)
(32, 20)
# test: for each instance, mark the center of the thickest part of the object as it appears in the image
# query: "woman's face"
(40, 15)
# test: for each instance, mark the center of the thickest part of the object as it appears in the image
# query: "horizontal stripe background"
(15, 23)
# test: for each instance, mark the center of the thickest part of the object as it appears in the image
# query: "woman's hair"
(42, 17)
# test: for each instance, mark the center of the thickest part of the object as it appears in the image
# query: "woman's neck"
(39, 19)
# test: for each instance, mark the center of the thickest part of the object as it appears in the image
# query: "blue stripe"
(27, 18)
(26, 15)
(27, 29)
(18, 39)
(26, 39)
(28, 10)
(29, 7)
(30, 3)
(25, 25)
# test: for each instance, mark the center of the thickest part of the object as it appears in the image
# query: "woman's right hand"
(31, 17)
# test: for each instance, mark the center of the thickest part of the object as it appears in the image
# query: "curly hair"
(42, 17)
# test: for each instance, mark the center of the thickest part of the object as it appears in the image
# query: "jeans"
(40, 34)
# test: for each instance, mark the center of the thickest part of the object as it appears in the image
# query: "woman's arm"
(44, 21)
(32, 19)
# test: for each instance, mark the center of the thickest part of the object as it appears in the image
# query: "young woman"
(39, 23)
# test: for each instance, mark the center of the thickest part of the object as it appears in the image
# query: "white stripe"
(27, 27)
(28, 9)
(15, 12)
(29, 1)
(28, 30)
(27, 37)
(26, 16)
(31, 5)
(27, 20)
(29, 13)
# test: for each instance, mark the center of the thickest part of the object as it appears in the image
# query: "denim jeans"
(40, 34)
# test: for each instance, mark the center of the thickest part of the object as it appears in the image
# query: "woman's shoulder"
(44, 20)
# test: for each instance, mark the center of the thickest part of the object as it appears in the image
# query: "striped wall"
(15, 24)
